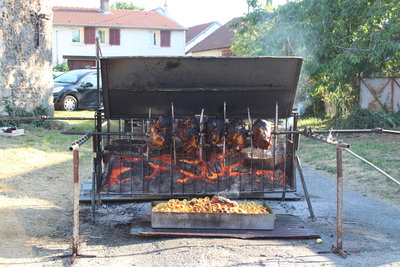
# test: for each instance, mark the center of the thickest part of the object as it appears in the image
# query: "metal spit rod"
(251, 146)
(201, 134)
(223, 137)
(173, 130)
(44, 118)
(274, 139)
(372, 165)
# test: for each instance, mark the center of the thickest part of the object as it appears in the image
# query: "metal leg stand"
(75, 217)
(339, 242)
(303, 182)
(339, 226)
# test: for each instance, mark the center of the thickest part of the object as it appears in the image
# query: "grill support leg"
(75, 212)
(303, 183)
(339, 241)
(75, 197)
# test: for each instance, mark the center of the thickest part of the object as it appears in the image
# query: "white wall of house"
(213, 27)
(133, 42)
(210, 53)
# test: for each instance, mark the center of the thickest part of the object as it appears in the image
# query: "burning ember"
(194, 158)
(125, 168)
(214, 205)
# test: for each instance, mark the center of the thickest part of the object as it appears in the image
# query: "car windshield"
(70, 76)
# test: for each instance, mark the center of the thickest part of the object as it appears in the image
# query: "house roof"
(221, 38)
(193, 31)
(74, 16)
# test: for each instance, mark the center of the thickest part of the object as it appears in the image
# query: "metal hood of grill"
(133, 85)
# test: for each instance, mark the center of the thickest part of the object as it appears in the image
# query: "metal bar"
(148, 130)
(75, 200)
(333, 131)
(201, 134)
(274, 143)
(223, 137)
(328, 141)
(79, 142)
(106, 133)
(284, 153)
(372, 165)
(390, 131)
(303, 182)
(173, 131)
(339, 170)
(98, 72)
(251, 149)
(44, 118)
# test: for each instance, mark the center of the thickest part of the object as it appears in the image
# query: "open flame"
(188, 169)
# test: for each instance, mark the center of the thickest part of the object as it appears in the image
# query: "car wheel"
(69, 103)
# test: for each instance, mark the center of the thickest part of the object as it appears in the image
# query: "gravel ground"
(370, 226)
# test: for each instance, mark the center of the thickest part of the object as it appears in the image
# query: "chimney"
(104, 6)
(165, 9)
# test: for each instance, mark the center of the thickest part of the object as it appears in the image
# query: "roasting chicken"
(214, 131)
(160, 132)
(236, 135)
(188, 132)
(262, 137)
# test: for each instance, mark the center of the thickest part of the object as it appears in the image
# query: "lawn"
(380, 149)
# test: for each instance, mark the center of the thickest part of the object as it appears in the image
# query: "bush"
(63, 67)
(17, 112)
(365, 119)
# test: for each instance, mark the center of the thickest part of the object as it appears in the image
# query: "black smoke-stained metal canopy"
(133, 85)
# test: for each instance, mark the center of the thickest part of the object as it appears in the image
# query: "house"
(120, 33)
(198, 33)
(217, 43)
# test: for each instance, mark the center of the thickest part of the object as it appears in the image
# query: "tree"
(124, 5)
(339, 40)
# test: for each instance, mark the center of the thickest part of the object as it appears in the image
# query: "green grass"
(380, 149)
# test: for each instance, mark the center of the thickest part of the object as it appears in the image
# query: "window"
(165, 38)
(101, 34)
(92, 78)
(154, 39)
(90, 36)
(76, 36)
(114, 37)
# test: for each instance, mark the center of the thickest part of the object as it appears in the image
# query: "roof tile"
(116, 18)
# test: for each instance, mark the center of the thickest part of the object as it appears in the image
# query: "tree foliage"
(124, 5)
(339, 40)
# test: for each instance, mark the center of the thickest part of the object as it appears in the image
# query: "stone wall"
(25, 54)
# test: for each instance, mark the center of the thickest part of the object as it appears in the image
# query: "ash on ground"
(116, 213)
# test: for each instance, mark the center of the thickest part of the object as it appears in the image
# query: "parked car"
(76, 89)
(56, 74)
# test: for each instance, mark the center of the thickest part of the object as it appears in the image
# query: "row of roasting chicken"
(188, 132)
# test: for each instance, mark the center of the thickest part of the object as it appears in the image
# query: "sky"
(186, 12)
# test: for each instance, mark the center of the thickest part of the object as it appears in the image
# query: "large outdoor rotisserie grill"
(142, 93)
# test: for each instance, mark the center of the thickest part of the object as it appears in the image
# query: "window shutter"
(165, 38)
(115, 37)
(90, 35)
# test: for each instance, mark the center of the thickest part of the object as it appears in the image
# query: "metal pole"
(303, 182)
(75, 199)
(339, 165)
(98, 72)
(372, 165)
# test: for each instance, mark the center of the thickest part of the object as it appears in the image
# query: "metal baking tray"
(213, 220)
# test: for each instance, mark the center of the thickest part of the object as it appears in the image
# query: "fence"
(380, 94)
